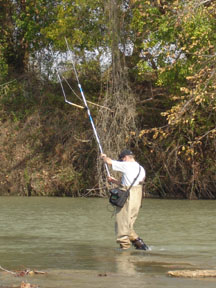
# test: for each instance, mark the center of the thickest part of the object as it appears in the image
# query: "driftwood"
(5, 270)
(23, 272)
(192, 274)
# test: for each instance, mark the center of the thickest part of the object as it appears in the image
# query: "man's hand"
(106, 159)
(113, 180)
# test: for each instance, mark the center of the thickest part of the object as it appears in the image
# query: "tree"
(182, 45)
(21, 22)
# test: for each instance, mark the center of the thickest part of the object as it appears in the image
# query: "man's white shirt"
(130, 170)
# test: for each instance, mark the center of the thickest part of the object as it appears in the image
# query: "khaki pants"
(126, 217)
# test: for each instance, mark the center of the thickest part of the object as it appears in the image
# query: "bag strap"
(134, 179)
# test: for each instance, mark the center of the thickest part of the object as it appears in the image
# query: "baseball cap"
(125, 153)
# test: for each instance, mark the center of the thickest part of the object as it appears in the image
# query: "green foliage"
(82, 22)
(90, 77)
(16, 101)
(3, 67)
(21, 36)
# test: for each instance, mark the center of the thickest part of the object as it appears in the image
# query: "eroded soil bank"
(46, 155)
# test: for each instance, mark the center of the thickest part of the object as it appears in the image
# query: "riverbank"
(47, 148)
(51, 154)
(43, 156)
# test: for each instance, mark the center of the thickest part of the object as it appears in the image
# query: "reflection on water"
(73, 239)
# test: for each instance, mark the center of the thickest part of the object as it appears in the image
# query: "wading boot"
(139, 244)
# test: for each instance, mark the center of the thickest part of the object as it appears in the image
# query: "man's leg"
(122, 226)
(134, 206)
(125, 219)
(133, 209)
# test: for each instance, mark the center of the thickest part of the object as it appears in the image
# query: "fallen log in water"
(23, 272)
(192, 274)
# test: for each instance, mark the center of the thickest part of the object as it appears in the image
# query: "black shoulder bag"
(118, 197)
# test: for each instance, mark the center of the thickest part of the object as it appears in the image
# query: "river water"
(73, 240)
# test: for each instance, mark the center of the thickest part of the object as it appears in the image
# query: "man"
(126, 216)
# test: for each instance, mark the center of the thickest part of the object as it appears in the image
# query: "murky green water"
(73, 241)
